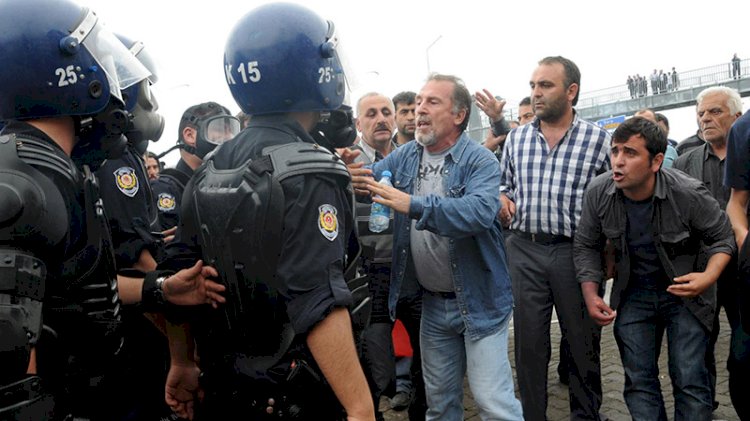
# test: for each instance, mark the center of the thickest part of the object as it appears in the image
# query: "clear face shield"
(336, 49)
(122, 68)
(220, 128)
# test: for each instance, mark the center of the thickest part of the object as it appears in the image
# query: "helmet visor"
(122, 68)
(218, 129)
(341, 62)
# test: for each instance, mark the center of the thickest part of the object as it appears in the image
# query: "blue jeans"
(447, 355)
(642, 318)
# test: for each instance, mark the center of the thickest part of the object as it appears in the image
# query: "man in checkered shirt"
(545, 168)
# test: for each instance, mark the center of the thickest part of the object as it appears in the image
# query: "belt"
(544, 238)
(445, 295)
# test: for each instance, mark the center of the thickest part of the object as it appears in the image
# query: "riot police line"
(263, 329)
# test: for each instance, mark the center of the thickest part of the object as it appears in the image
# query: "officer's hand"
(389, 196)
(168, 235)
(348, 155)
(192, 286)
(360, 177)
(182, 389)
(691, 285)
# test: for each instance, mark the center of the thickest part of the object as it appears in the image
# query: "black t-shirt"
(130, 206)
(646, 270)
(737, 174)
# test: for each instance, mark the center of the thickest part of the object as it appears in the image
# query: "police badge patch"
(328, 224)
(165, 202)
(126, 181)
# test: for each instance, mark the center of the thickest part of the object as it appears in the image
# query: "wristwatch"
(159, 297)
(152, 292)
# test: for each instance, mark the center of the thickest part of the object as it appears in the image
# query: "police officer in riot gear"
(125, 189)
(139, 371)
(57, 261)
(202, 128)
(59, 304)
(272, 210)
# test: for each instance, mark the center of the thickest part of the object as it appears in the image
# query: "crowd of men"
(660, 83)
(245, 283)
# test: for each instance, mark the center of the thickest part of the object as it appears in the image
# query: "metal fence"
(704, 76)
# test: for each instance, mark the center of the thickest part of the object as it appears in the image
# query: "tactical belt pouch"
(25, 400)
(296, 389)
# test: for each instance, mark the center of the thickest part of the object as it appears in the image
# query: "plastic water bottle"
(380, 215)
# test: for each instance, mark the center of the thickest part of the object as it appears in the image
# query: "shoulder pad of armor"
(300, 158)
(41, 154)
(31, 209)
(179, 177)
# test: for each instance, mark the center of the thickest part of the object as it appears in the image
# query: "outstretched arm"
(332, 344)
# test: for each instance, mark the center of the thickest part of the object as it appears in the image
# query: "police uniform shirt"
(317, 225)
(130, 206)
(167, 191)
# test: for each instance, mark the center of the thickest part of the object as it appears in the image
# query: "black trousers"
(378, 356)
(543, 277)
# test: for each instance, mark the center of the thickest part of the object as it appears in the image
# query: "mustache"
(382, 126)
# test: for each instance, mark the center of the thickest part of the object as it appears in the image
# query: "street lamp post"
(427, 53)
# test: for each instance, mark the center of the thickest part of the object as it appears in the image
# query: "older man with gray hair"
(447, 238)
(717, 109)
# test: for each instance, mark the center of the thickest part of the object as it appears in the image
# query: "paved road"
(613, 379)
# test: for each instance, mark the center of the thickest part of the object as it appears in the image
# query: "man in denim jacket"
(447, 236)
(656, 219)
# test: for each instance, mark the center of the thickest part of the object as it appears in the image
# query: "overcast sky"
(493, 45)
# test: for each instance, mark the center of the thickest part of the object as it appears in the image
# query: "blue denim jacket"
(467, 215)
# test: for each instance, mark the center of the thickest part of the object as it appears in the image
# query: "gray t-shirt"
(430, 251)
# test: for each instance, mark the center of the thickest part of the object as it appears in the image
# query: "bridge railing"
(704, 76)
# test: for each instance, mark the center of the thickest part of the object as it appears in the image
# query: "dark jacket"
(691, 162)
(684, 215)
(376, 247)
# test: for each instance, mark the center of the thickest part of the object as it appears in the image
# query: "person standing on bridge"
(735, 67)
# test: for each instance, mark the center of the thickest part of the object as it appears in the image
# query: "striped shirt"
(547, 185)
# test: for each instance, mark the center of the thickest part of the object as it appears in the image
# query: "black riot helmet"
(213, 125)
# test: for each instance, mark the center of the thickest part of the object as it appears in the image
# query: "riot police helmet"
(282, 58)
(61, 61)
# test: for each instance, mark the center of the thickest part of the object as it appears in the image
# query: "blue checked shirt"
(547, 185)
